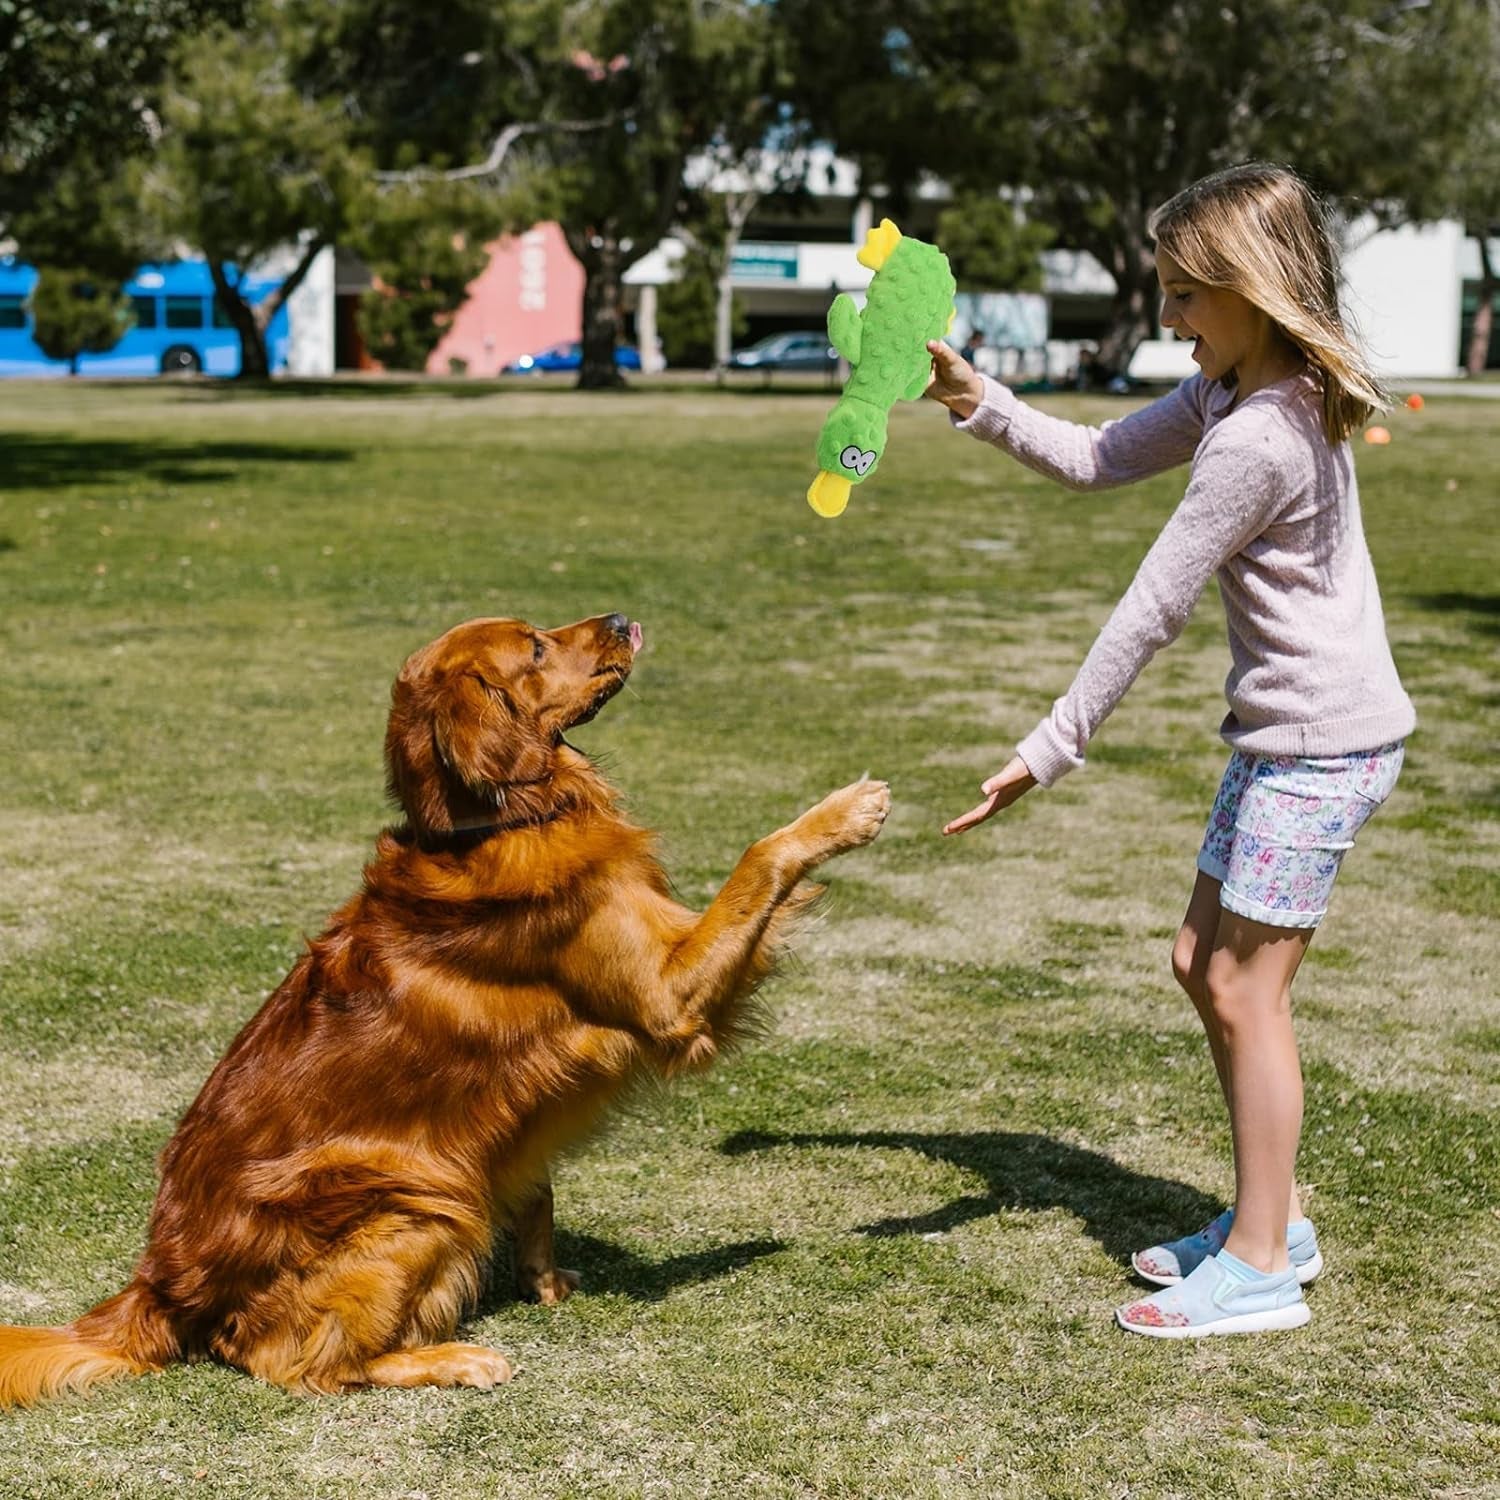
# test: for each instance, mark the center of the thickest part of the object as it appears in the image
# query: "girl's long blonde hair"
(1259, 230)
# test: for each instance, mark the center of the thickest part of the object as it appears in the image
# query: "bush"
(76, 312)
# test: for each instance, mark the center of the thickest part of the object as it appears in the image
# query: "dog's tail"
(128, 1335)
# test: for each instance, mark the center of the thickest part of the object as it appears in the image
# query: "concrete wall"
(1403, 295)
(310, 320)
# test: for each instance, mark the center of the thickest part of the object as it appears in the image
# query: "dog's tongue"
(636, 638)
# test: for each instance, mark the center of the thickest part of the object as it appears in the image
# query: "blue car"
(568, 356)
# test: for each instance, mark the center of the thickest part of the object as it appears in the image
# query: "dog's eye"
(538, 650)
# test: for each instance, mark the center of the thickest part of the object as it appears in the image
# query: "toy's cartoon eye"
(852, 458)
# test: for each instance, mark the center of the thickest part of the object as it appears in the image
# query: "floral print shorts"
(1280, 826)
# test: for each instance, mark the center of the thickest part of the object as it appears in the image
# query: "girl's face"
(1226, 330)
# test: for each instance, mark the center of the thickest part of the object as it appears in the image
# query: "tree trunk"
(1131, 318)
(602, 266)
(255, 364)
(1484, 314)
(253, 322)
(738, 207)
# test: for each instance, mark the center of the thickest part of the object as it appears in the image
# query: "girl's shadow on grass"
(1121, 1209)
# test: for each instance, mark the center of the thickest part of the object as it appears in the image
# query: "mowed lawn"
(876, 1252)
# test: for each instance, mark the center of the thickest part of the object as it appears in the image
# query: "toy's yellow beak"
(828, 494)
(878, 245)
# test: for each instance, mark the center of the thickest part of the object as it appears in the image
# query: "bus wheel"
(181, 359)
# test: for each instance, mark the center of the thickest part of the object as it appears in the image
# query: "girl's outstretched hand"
(999, 791)
(955, 383)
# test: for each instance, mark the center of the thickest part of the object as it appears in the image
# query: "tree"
(689, 312)
(90, 219)
(79, 82)
(74, 312)
(600, 110)
(424, 245)
(1105, 110)
(992, 245)
(249, 161)
(1474, 188)
(663, 79)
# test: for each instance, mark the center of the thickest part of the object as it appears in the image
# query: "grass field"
(876, 1253)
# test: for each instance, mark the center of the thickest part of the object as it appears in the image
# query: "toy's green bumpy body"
(909, 302)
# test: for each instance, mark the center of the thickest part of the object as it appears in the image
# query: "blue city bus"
(179, 326)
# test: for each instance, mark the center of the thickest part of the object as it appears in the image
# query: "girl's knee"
(1238, 997)
(1186, 969)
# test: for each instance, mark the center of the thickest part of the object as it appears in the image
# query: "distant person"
(1317, 714)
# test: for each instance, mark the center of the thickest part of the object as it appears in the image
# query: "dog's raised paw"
(850, 817)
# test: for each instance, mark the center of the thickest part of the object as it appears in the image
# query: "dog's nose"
(619, 624)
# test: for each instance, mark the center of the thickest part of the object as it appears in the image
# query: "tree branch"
(490, 166)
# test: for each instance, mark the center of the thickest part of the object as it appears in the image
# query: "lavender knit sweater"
(1271, 510)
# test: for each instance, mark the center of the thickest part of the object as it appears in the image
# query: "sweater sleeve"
(1237, 487)
(1154, 438)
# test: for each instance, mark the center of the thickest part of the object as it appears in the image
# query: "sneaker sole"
(1295, 1316)
(1307, 1273)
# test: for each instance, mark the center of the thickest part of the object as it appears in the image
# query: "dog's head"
(478, 716)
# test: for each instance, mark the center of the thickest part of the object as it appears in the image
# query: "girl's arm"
(1237, 489)
(1157, 437)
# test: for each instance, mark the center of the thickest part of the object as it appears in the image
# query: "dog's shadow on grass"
(608, 1269)
(1121, 1209)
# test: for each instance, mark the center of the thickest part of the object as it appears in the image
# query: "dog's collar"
(468, 835)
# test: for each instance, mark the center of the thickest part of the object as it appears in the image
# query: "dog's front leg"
(538, 1278)
(705, 969)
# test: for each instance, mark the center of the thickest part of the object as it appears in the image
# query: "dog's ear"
(484, 741)
(453, 746)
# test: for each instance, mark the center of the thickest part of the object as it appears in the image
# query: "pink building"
(529, 297)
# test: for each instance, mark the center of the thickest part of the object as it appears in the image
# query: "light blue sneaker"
(1166, 1265)
(1221, 1295)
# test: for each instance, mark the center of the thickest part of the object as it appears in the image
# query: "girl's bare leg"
(1248, 986)
(1191, 955)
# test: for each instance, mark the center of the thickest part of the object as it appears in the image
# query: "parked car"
(568, 356)
(804, 349)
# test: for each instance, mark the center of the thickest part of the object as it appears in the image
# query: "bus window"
(12, 312)
(184, 312)
(221, 317)
(145, 311)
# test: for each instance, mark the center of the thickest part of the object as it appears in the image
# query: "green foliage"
(687, 308)
(422, 82)
(91, 218)
(77, 312)
(658, 80)
(77, 81)
(248, 161)
(424, 244)
(991, 246)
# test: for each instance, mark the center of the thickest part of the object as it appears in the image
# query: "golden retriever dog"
(329, 1203)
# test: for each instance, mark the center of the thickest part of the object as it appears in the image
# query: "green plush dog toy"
(909, 302)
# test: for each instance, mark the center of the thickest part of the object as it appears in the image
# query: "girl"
(1317, 714)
